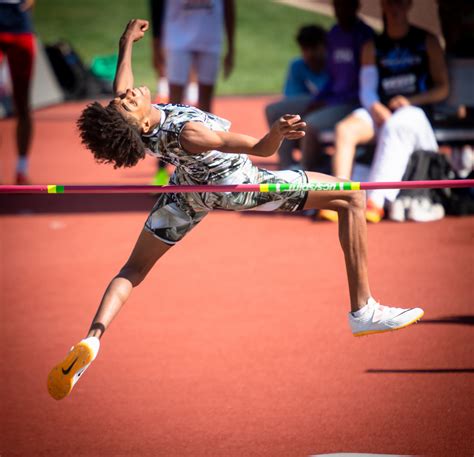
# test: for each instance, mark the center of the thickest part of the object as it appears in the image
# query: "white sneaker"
(377, 318)
(65, 374)
(423, 210)
(399, 208)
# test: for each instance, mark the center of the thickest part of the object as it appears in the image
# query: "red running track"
(237, 344)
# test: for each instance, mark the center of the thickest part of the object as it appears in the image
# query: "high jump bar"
(313, 186)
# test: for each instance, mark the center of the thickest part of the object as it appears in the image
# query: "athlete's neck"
(155, 117)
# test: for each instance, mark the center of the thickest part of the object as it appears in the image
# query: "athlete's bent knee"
(133, 274)
(357, 199)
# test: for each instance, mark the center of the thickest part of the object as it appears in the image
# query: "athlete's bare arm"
(134, 31)
(197, 138)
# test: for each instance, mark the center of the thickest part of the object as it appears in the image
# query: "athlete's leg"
(367, 315)
(67, 372)
(148, 249)
(350, 206)
(168, 222)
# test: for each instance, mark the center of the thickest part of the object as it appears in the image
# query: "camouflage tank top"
(207, 167)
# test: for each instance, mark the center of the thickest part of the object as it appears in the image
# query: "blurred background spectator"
(159, 59)
(402, 68)
(306, 76)
(191, 38)
(340, 96)
(188, 37)
(17, 45)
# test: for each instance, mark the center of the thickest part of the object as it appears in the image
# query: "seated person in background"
(305, 78)
(340, 96)
(401, 69)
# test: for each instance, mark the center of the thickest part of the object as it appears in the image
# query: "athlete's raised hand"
(290, 126)
(135, 29)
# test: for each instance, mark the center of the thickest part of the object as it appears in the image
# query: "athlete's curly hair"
(110, 136)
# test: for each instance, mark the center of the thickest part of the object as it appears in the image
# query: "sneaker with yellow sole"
(65, 374)
(377, 318)
(373, 213)
(328, 215)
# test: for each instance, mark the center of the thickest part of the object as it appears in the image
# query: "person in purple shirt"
(340, 96)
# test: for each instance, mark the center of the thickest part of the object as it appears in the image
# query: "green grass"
(265, 37)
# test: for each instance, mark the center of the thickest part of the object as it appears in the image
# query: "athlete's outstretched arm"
(134, 31)
(197, 138)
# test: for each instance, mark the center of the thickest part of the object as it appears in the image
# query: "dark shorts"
(174, 215)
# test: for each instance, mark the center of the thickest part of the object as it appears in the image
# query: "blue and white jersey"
(205, 168)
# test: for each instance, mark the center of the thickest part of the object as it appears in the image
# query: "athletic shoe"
(328, 215)
(424, 210)
(399, 208)
(376, 318)
(22, 179)
(161, 177)
(373, 213)
(65, 374)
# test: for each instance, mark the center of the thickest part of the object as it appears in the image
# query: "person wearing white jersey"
(192, 36)
(204, 151)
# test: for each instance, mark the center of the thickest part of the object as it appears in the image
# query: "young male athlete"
(205, 152)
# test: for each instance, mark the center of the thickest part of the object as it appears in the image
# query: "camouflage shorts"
(174, 215)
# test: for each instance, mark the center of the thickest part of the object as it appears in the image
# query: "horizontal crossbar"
(269, 187)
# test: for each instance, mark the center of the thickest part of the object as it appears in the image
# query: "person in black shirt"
(402, 70)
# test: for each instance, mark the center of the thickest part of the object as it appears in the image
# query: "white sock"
(162, 87)
(192, 93)
(94, 343)
(22, 165)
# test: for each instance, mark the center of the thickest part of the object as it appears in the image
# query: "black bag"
(428, 165)
(75, 79)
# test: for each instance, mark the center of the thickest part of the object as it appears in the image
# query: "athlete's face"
(135, 103)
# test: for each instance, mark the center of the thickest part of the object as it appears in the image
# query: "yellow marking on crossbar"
(51, 189)
(263, 187)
